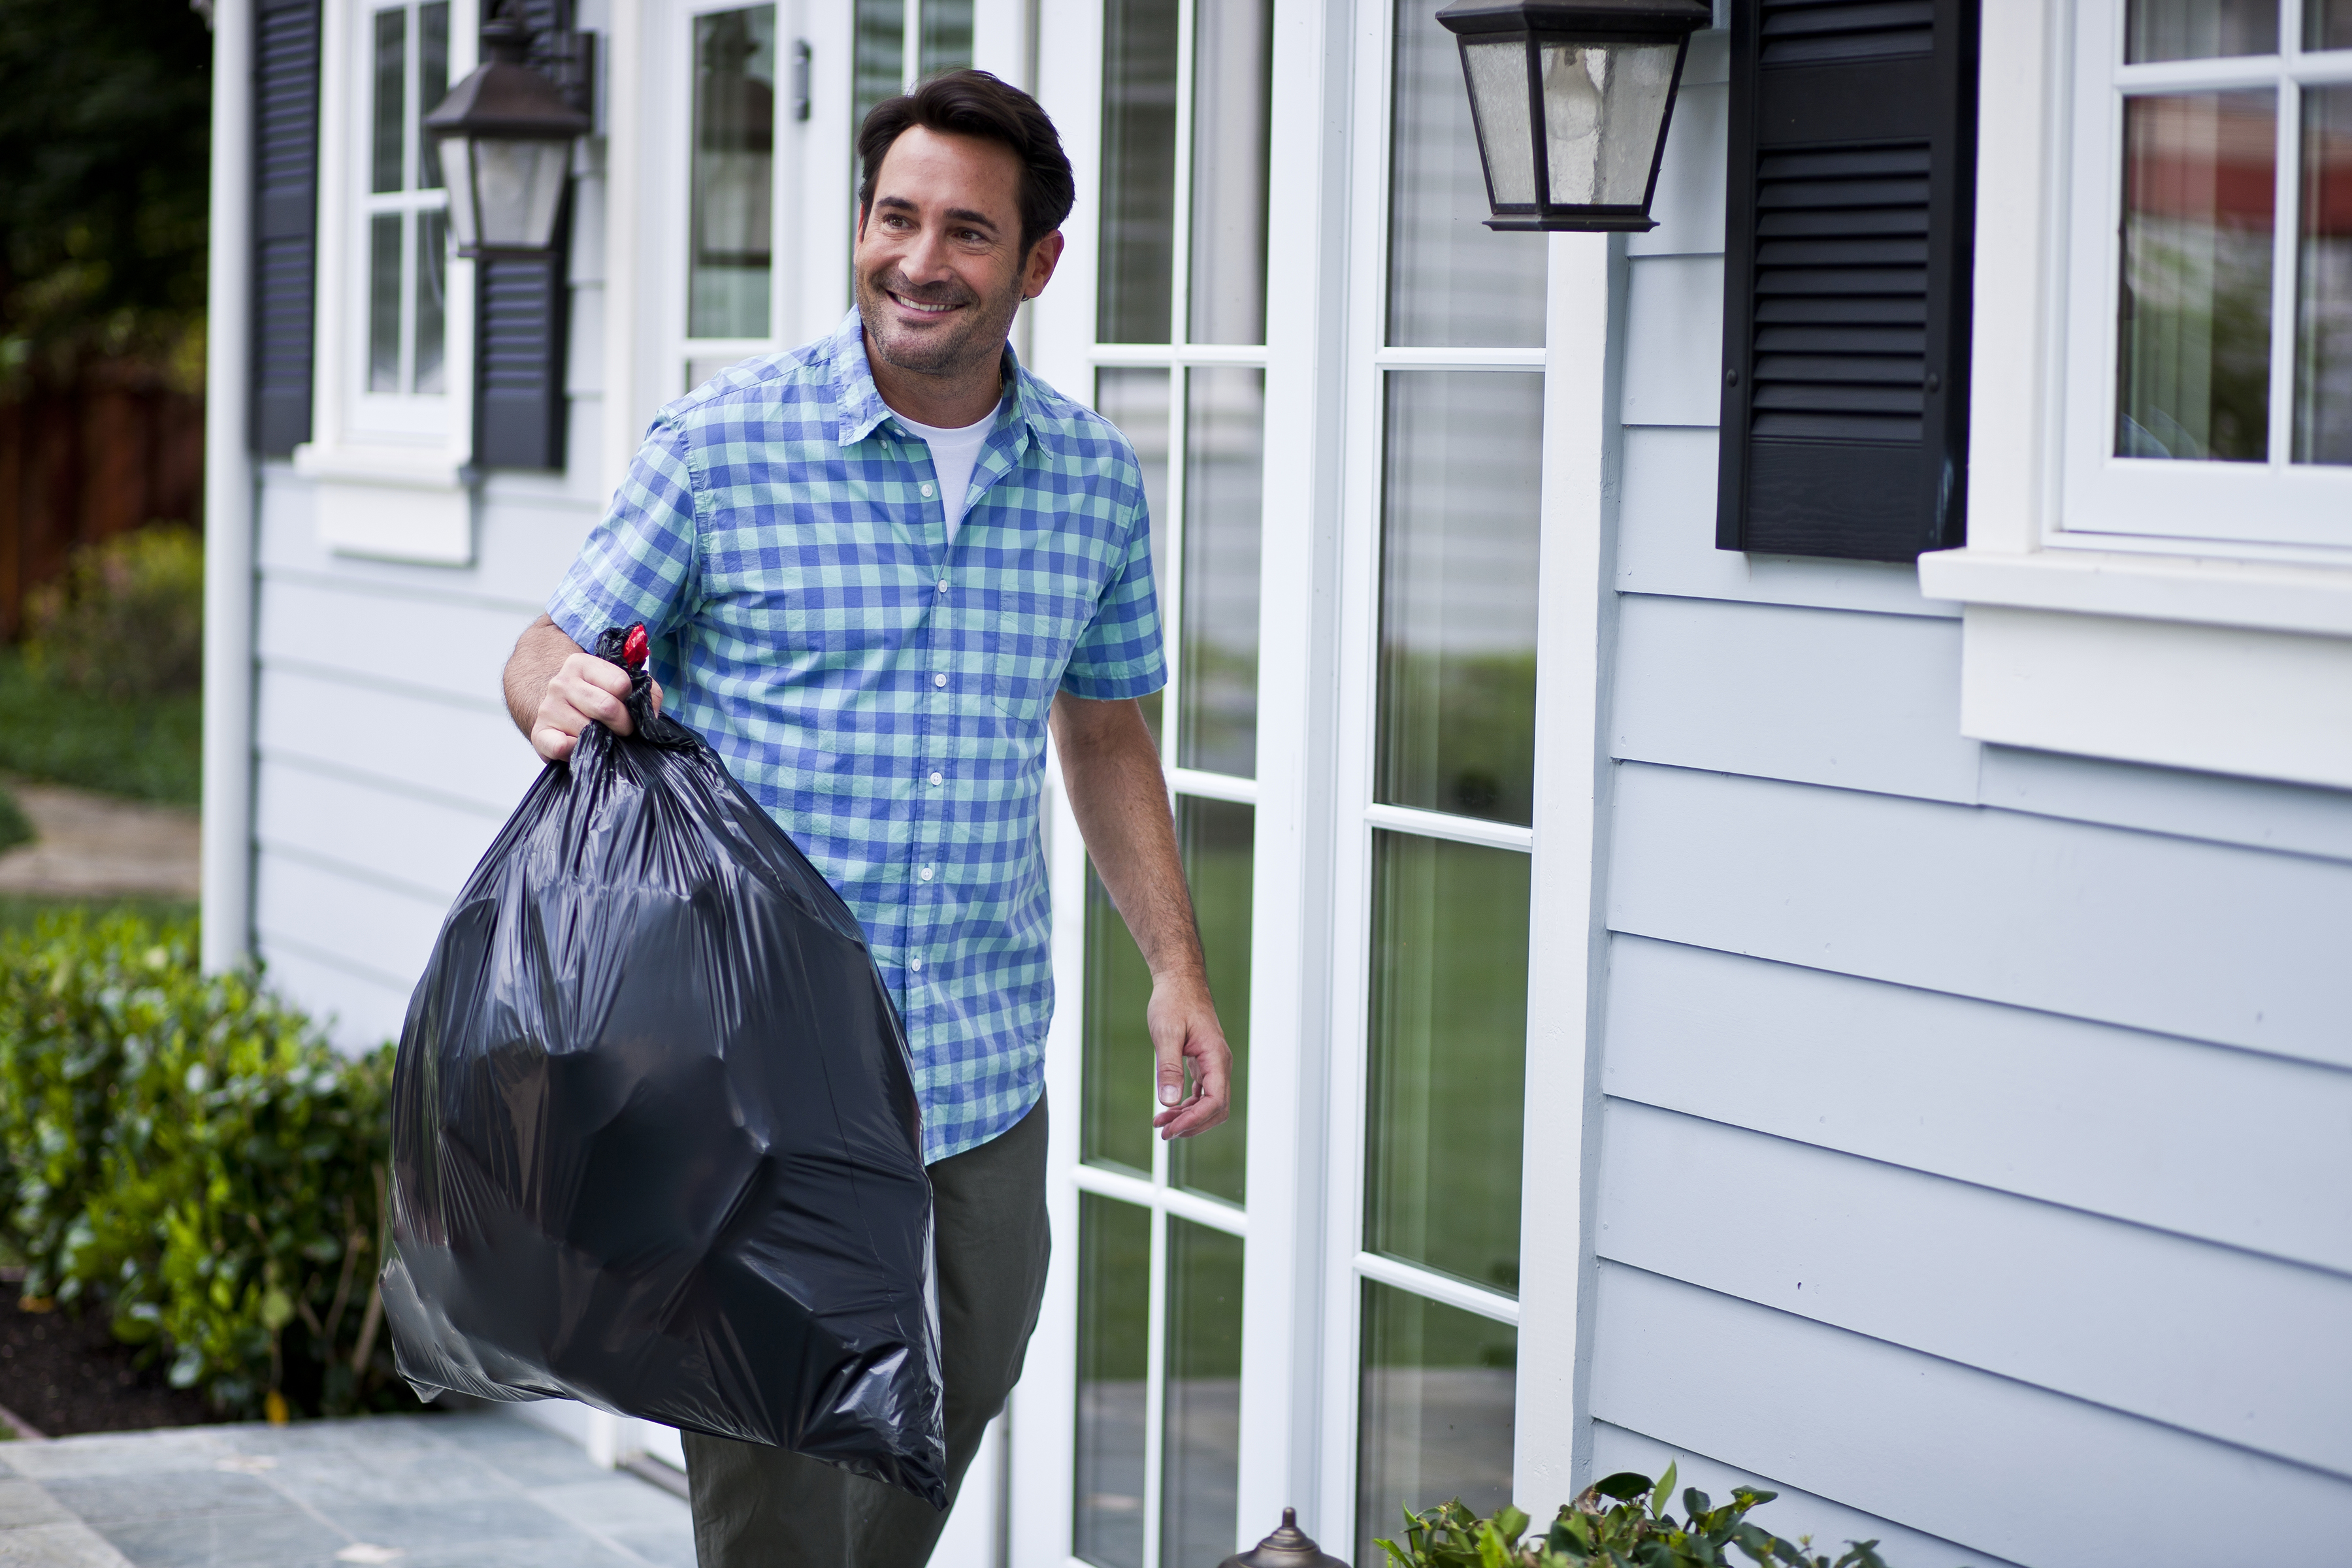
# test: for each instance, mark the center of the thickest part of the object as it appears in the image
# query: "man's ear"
(1038, 271)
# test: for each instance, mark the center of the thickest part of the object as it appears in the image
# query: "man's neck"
(945, 403)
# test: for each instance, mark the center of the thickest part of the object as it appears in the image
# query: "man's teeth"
(918, 305)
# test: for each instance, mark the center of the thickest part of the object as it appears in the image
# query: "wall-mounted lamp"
(505, 135)
(1571, 100)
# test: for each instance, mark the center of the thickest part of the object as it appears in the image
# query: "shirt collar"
(858, 403)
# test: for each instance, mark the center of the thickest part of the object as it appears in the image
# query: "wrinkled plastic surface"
(655, 1136)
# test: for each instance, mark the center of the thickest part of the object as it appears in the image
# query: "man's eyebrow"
(953, 214)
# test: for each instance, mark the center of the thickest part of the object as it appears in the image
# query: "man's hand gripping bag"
(656, 1144)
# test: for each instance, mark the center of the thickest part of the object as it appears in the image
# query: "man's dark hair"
(974, 103)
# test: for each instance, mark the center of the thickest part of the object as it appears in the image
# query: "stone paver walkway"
(419, 1491)
(94, 845)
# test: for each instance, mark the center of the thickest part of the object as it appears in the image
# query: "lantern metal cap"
(1592, 18)
(504, 100)
(1287, 1547)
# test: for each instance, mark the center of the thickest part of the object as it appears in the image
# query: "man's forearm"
(537, 654)
(1120, 798)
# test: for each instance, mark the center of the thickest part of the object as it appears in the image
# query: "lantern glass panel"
(454, 159)
(516, 186)
(1498, 70)
(1605, 109)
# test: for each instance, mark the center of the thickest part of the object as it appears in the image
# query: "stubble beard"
(979, 340)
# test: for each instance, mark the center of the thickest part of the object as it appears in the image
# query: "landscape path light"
(1571, 98)
(1287, 1547)
(505, 135)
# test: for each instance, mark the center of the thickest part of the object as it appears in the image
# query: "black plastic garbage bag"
(656, 1144)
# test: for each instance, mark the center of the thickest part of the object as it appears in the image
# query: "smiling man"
(875, 570)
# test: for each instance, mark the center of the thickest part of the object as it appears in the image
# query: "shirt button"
(939, 778)
(925, 873)
(916, 965)
(943, 584)
(939, 681)
(927, 489)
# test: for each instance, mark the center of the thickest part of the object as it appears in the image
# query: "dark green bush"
(1621, 1521)
(128, 618)
(186, 1154)
(151, 748)
(14, 829)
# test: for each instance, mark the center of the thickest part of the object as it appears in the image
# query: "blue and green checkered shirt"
(882, 692)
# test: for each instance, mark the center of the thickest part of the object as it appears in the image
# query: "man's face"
(939, 268)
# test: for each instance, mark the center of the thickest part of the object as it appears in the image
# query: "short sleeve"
(640, 563)
(1117, 656)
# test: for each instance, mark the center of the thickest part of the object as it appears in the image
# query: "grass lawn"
(147, 748)
(19, 913)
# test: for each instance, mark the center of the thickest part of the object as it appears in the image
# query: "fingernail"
(1169, 1094)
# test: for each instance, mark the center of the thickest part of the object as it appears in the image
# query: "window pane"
(2199, 30)
(1202, 1459)
(1119, 1070)
(1139, 181)
(390, 104)
(1137, 402)
(2322, 375)
(1232, 88)
(878, 58)
(1436, 1413)
(1114, 1356)
(1458, 710)
(2327, 24)
(1225, 475)
(734, 143)
(946, 36)
(432, 84)
(432, 268)
(1452, 280)
(384, 302)
(1448, 1055)
(2194, 368)
(1218, 840)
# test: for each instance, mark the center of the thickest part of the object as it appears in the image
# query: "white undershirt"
(954, 453)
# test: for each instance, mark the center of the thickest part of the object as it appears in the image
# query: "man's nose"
(926, 256)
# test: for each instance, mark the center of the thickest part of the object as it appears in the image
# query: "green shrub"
(14, 829)
(1621, 1521)
(188, 1155)
(151, 748)
(128, 618)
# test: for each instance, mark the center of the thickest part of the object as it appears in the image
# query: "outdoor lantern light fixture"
(1571, 100)
(505, 135)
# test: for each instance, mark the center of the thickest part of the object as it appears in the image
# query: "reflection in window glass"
(2199, 30)
(1201, 1459)
(1449, 1034)
(2193, 372)
(1217, 841)
(946, 36)
(734, 148)
(877, 58)
(431, 85)
(1120, 1072)
(1139, 171)
(1458, 594)
(1435, 1413)
(2327, 24)
(1137, 402)
(2322, 375)
(1224, 474)
(431, 309)
(1232, 88)
(1453, 282)
(1114, 1358)
(384, 302)
(391, 106)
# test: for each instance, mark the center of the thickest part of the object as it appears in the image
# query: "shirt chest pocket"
(1029, 643)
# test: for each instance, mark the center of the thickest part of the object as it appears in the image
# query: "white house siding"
(1975, 1166)
(384, 760)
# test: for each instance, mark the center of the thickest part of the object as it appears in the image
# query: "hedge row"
(187, 1154)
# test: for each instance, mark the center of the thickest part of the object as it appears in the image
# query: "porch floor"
(421, 1491)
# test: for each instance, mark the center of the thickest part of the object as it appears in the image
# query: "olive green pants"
(757, 1507)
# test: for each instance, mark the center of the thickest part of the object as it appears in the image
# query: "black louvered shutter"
(1846, 270)
(284, 219)
(519, 319)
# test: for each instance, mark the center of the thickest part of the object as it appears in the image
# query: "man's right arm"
(553, 689)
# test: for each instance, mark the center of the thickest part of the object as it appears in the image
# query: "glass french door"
(1425, 789)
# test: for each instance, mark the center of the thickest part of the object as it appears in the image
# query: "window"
(2208, 366)
(406, 247)
(731, 186)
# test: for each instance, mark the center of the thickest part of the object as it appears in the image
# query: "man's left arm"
(1120, 798)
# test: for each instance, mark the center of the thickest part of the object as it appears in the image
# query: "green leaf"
(1665, 1490)
(1624, 1485)
(1511, 1524)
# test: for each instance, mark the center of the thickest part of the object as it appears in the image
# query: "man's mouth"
(923, 306)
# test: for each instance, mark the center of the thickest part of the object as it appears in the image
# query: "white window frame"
(405, 412)
(2305, 507)
(2223, 654)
